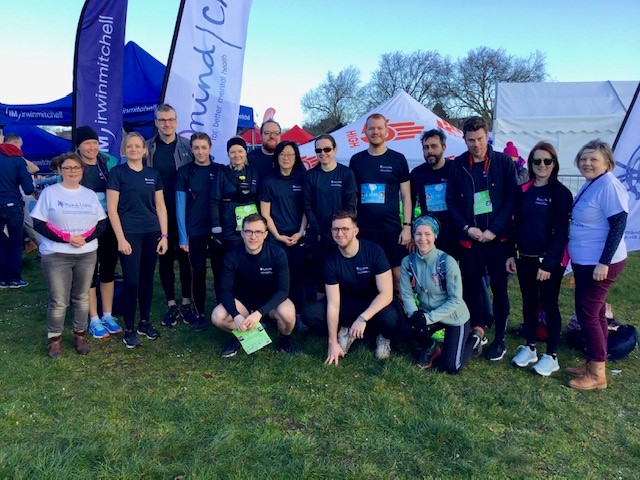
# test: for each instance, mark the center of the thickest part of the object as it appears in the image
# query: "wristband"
(164, 235)
(408, 224)
(302, 232)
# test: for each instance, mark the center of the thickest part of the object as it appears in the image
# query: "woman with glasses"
(193, 190)
(138, 215)
(282, 205)
(70, 218)
(598, 254)
(541, 224)
(329, 187)
(234, 196)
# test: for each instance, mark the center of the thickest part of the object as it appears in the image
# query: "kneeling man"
(359, 287)
(255, 283)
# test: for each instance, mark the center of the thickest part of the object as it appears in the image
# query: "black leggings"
(167, 275)
(296, 259)
(545, 293)
(137, 273)
(107, 257)
(387, 321)
(199, 250)
(456, 349)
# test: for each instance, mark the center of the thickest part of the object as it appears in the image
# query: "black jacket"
(501, 176)
(558, 228)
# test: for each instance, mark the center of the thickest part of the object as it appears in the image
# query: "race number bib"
(482, 203)
(435, 197)
(243, 211)
(372, 193)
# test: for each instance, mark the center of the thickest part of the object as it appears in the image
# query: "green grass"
(173, 408)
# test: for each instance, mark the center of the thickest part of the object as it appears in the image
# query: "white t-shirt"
(589, 226)
(72, 211)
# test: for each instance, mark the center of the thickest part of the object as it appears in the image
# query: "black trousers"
(476, 262)
(167, 261)
(387, 321)
(544, 293)
(199, 250)
(137, 272)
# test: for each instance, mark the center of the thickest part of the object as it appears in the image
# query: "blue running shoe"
(111, 325)
(97, 330)
(18, 284)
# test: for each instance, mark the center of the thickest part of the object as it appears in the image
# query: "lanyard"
(486, 163)
(585, 189)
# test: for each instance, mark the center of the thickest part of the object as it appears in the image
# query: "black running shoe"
(231, 348)
(496, 351)
(171, 317)
(428, 356)
(148, 330)
(288, 345)
(201, 324)
(188, 314)
(130, 339)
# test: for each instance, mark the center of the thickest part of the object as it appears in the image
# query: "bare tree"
(419, 73)
(334, 101)
(472, 79)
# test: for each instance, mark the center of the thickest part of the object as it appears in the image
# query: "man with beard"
(168, 151)
(382, 176)
(429, 187)
(262, 158)
(480, 196)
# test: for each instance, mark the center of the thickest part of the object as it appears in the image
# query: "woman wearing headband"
(431, 289)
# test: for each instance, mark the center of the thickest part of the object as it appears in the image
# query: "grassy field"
(174, 409)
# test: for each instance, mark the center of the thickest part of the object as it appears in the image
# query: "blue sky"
(291, 44)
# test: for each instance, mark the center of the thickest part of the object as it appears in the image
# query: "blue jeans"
(68, 276)
(11, 246)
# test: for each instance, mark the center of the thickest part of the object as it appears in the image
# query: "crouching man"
(255, 283)
(359, 299)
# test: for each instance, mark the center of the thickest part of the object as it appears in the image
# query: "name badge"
(435, 197)
(372, 193)
(482, 203)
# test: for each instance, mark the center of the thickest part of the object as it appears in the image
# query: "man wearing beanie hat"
(168, 151)
(521, 170)
(96, 172)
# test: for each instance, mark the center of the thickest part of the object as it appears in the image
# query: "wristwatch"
(408, 224)
(362, 319)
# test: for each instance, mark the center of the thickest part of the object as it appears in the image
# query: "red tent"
(257, 138)
(298, 135)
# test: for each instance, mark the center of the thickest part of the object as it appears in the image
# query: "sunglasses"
(325, 149)
(547, 161)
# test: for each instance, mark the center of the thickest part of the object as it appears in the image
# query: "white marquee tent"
(407, 120)
(566, 114)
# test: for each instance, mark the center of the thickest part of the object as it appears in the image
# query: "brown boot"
(55, 346)
(580, 371)
(80, 342)
(596, 377)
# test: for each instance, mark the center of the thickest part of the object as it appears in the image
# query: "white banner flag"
(627, 154)
(204, 72)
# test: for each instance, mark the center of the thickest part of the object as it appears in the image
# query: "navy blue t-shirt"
(286, 199)
(93, 178)
(261, 162)
(378, 178)
(533, 233)
(196, 181)
(356, 276)
(136, 206)
(164, 161)
(326, 193)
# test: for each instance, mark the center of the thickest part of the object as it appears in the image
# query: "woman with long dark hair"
(541, 224)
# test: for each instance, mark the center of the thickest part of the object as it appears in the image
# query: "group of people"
(395, 256)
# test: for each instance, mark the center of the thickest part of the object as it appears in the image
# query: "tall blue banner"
(98, 71)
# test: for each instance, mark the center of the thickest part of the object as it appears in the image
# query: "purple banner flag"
(97, 71)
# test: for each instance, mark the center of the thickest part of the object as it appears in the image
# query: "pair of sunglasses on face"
(538, 161)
